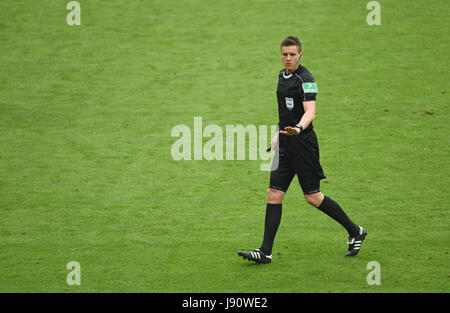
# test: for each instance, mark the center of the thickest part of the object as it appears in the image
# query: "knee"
(314, 199)
(274, 195)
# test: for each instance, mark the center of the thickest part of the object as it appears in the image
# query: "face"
(291, 57)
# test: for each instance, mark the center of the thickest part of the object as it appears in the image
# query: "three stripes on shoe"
(356, 244)
(256, 255)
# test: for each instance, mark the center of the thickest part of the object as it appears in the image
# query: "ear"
(301, 55)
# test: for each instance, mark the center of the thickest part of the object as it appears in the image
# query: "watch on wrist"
(299, 127)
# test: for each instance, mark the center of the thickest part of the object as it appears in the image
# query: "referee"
(298, 152)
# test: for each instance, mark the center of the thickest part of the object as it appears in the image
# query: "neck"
(293, 70)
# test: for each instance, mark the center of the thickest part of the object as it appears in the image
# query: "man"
(298, 154)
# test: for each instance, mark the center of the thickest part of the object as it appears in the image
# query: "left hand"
(290, 131)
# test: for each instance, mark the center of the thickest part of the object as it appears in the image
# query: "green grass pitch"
(86, 172)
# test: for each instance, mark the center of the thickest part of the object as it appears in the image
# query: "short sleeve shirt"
(293, 89)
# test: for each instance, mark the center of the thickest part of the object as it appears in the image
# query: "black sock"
(273, 219)
(333, 210)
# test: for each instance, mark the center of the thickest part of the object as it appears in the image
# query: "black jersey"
(292, 90)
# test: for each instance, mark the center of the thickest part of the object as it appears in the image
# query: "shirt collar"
(292, 73)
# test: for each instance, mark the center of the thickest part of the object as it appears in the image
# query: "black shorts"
(297, 155)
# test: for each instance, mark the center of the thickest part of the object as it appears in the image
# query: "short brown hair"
(292, 41)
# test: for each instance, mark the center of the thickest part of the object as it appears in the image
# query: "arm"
(307, 118)
(310, 113)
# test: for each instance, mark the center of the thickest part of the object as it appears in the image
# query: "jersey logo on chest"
(289, 103)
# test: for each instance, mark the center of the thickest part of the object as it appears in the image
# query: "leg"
(314, 199)
(275, 196)
(309, 171)
(280, 179)
(333, 210)
(273, 218)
